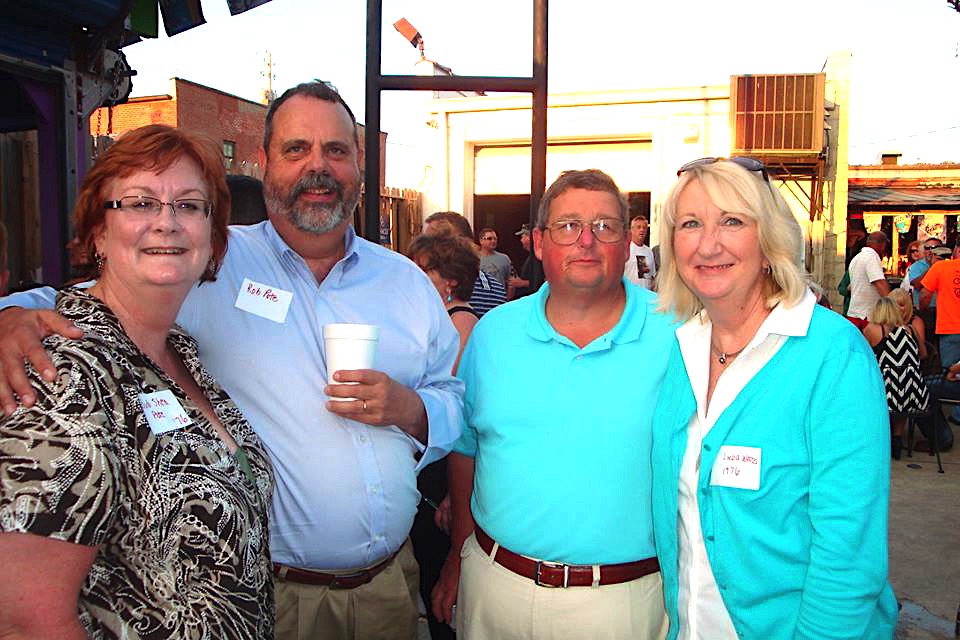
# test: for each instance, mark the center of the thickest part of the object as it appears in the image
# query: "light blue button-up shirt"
(346, 493)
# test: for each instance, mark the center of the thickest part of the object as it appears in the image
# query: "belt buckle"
(551, 565)
(341, 582)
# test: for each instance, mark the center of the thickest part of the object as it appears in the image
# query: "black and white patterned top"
(180, 522)
(898, 355)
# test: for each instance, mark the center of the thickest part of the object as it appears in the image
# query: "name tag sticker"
(737, 467)
(263, 300)
(163, 411)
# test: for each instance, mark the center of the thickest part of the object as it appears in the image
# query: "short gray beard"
(315, 218)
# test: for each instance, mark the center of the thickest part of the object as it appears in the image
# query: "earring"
(99, 260)
(210, 272)
(449, 297)
(767, 270)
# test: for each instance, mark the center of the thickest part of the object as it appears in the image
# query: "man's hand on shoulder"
(23, 331)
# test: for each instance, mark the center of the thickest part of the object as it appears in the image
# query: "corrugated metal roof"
(918, 198)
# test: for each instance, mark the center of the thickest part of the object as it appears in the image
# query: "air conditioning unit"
(777, 114)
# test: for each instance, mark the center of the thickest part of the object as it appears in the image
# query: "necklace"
(723, 356)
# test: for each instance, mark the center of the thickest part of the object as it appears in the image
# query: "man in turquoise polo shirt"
(563, 477)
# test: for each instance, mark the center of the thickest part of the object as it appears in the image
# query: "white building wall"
(638, 137)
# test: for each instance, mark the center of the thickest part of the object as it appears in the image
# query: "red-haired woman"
(134, 495)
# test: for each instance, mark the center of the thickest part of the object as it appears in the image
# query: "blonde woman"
(896, 336)
(769, 486)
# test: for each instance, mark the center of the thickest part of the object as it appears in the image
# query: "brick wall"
(139, 112)
(223, 117)
(192, 106)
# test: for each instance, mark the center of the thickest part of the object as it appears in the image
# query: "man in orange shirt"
(943, 279)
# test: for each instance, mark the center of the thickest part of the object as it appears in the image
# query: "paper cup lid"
(349, 331)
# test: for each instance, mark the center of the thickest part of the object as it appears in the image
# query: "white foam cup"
(349, 346)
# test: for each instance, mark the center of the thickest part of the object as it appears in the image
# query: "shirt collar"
(627, 329)
(285, 253)
(783, 321)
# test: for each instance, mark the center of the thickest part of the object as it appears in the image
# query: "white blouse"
(702, 613)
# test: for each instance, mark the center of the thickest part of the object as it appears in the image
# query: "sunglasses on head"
(750, 164)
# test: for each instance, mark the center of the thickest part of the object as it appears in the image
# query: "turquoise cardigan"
(805, 555)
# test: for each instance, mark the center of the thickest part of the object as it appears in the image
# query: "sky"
(905, 84)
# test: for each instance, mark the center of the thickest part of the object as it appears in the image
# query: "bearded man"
(346, 489)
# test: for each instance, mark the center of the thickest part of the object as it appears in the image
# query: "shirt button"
(706, 447)
(374, 490)
(579, 357)
(363, 439)
(710, 538)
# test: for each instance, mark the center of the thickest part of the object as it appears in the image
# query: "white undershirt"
(703, 615)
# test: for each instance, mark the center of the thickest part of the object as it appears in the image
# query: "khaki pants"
(495, 603)
(383, 609)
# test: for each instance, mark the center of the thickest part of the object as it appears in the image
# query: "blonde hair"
(737, 190)
(886, 313)
(904, 304)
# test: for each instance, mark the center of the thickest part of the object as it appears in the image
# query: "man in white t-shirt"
(640, 267)
(867, 280)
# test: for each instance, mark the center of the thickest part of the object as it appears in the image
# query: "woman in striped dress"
(896, 336)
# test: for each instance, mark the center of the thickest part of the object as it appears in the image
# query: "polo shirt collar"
(628, 327)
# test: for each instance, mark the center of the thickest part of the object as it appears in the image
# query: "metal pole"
(375, 83)
(538, 148)
(371, 160)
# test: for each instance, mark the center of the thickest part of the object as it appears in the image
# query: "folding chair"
(935, 404)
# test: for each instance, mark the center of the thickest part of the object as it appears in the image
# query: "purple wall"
(48, 101)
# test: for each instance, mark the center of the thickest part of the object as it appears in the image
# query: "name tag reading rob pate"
(737, 467)
(163, 411)
(263, 300)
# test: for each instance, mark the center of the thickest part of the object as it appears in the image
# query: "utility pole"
(269, 95)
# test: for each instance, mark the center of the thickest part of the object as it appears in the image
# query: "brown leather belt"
(554, 574)
(333, 581)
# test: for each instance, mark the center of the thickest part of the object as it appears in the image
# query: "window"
(229, 154)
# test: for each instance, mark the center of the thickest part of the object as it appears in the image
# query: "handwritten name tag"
(263, 300)
(163, 411)
(737, 467)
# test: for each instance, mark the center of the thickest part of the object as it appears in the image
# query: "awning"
(904, 198)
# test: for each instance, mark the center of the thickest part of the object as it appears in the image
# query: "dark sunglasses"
(750, 164)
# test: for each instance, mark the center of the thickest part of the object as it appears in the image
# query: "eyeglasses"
(147, 207)
(489, 238)
(566, 232)
(750, 164)
(931, 247)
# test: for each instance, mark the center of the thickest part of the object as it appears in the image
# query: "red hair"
(154, 148)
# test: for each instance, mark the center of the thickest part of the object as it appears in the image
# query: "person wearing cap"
(640, 268)
(521, 283)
